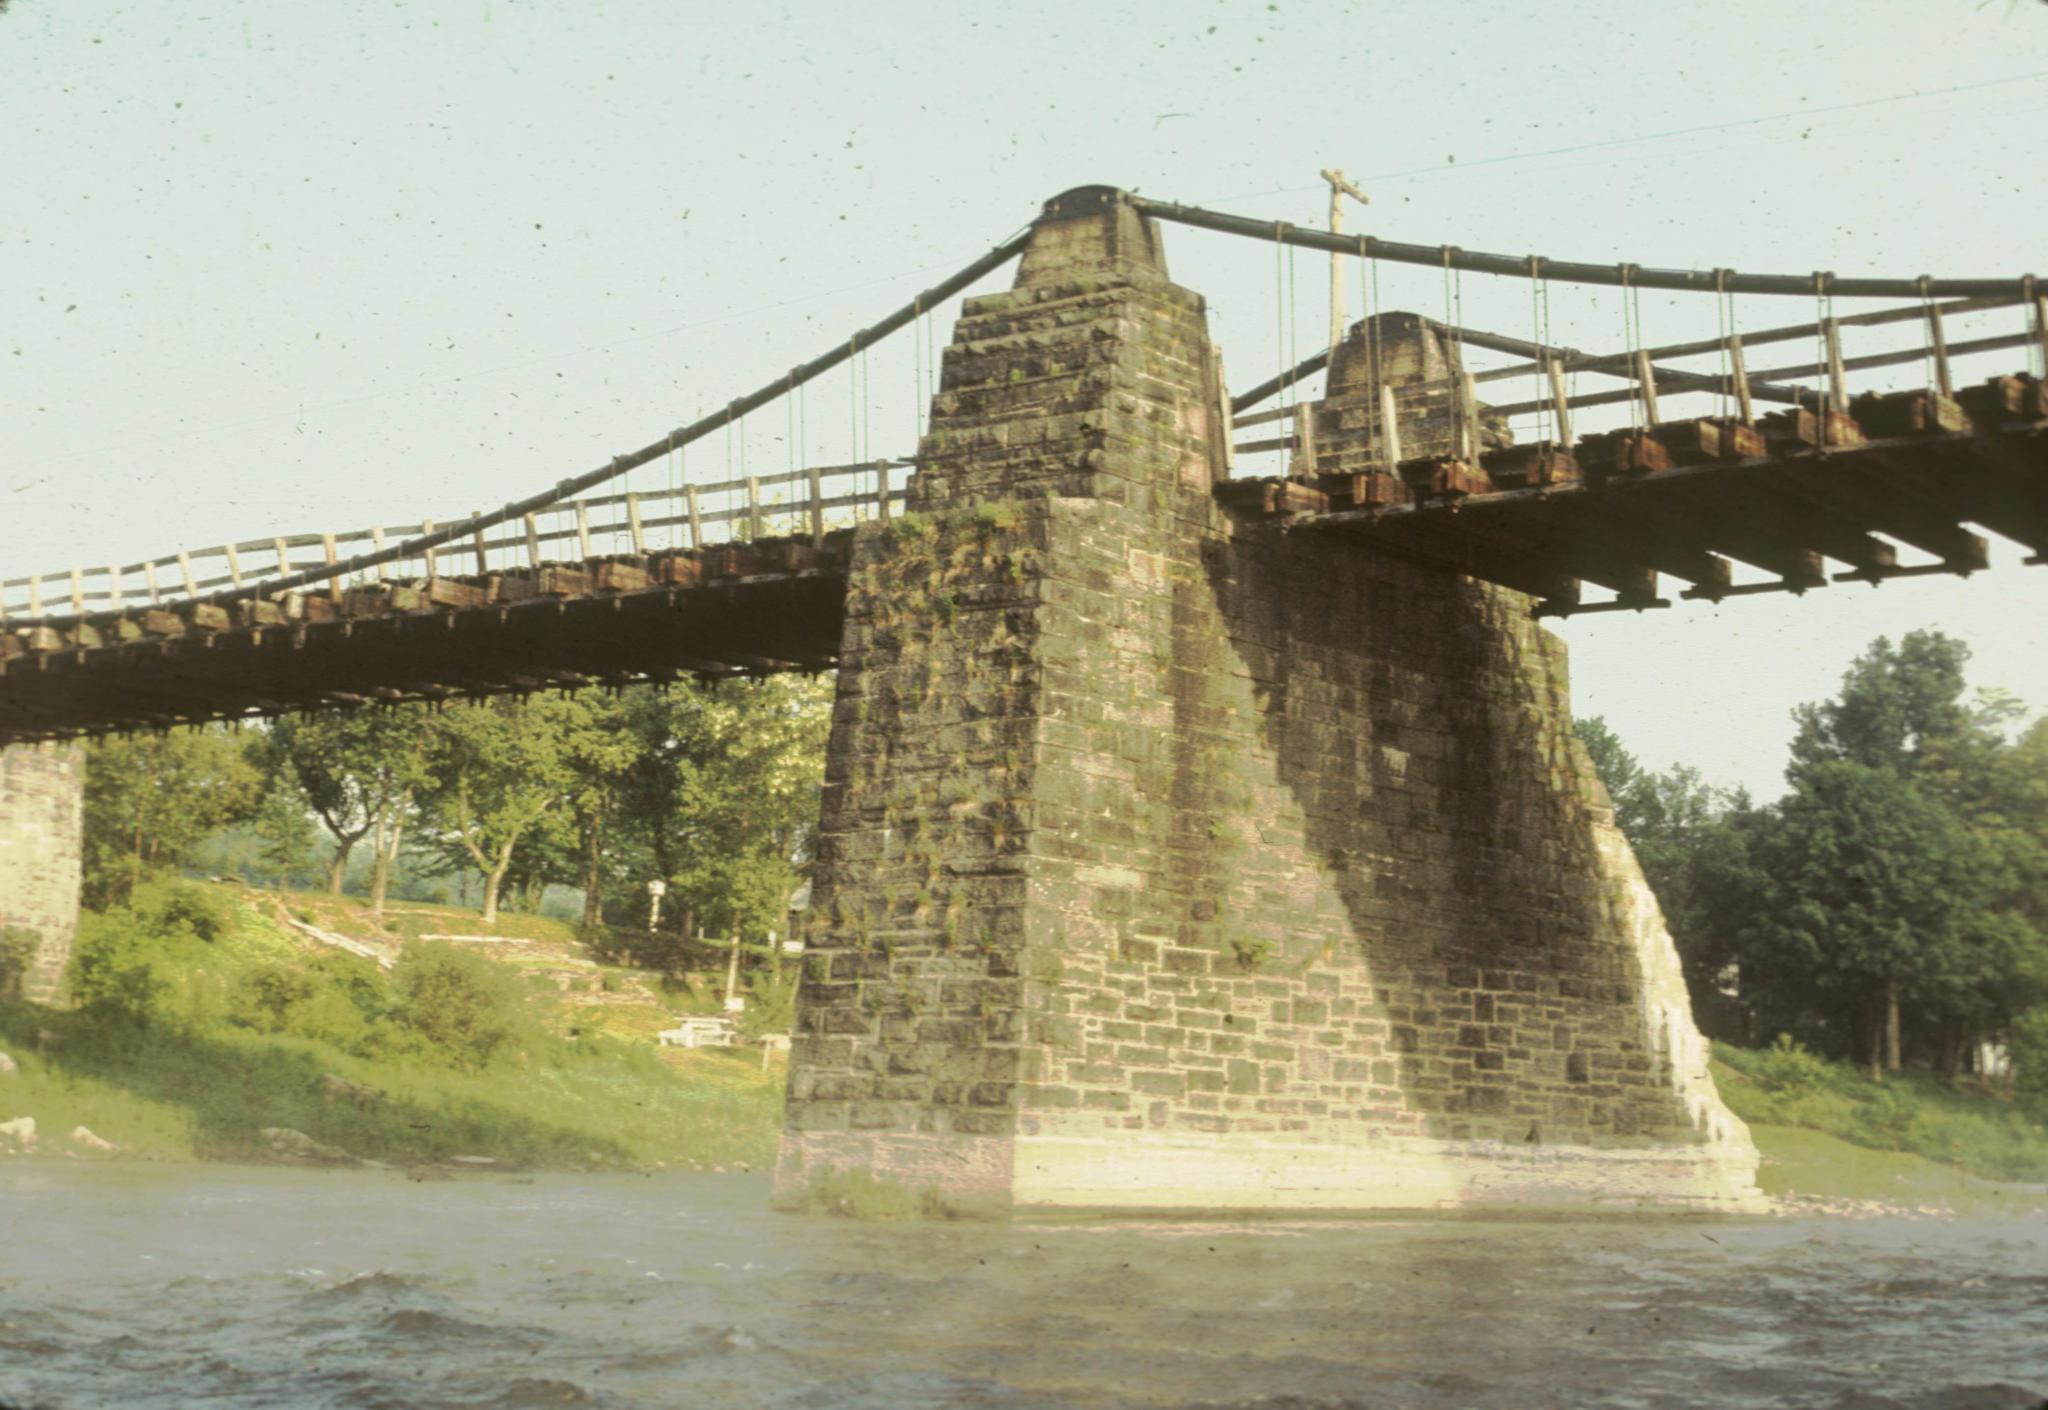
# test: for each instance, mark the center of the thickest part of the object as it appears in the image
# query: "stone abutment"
(1170, 862)
(42, 789)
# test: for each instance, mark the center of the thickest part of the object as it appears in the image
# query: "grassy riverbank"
(213, 1017)
(1827, 1131)
(210, 1022)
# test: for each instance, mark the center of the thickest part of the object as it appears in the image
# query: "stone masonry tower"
(1166, 864)
(42, 790)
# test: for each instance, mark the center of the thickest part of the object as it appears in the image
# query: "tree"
(726, 805)
(358, 769)
(603, 750)
(1873, 897)
(284, 830)
(1908, 711)
(1903, 709)
(1619, 772)
(495, 770)
(151, 799)
(1891, 902)
(1688, 838)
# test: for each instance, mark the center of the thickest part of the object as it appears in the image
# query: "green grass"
(196, 1075)
(409, 920)
(1893, 1127)
(578, 1083)
(858, 1194)
(1812, 1164)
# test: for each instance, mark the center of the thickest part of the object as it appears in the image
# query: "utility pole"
(1339, 189)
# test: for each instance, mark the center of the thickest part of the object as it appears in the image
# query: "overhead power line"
(1701, 129)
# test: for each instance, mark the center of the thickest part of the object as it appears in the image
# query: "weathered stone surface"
(41, 803)
(1407, 353)
(84, 1136)
(287, 1144)
(1161, 865)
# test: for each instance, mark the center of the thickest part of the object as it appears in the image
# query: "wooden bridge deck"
(1691, 499)
(1687, 500)
(733, 609)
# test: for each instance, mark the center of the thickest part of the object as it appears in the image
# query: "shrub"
(463, 1006)
(335, 998)
(264, 998)
(111, 971)
(355, 979)
(182, 906)
(1888, 1118)
(2028, 1047)
(771, 1005)
(329, 1017)
(17, 953)
(1786, 1066)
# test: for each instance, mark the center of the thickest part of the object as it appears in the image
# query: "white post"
(1339, 189)
(1390, 428)
(1560, 404)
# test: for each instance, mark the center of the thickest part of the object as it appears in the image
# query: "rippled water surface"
(144, 1287)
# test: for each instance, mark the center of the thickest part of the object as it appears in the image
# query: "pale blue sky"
(292, 267)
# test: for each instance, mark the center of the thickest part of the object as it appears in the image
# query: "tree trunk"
(1873, 1041)
(384, 853)
(1955, 1047)
(380, 881)
(491, 880)
(337, 870)
(494, 880)
(593, 889)
(1891, 1026)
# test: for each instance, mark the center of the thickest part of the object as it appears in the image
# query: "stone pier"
(1164, 867)
(42, 790)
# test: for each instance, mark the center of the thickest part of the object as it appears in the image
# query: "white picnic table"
(700, 1031)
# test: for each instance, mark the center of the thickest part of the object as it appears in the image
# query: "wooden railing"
(812, 501)
(1649, 383)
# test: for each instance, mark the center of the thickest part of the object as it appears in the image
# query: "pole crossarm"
(1699, 281)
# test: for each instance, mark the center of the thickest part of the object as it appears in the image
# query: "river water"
(138, 1286)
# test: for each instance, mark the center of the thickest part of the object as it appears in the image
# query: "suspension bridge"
(1798, 478)
(1202, 821)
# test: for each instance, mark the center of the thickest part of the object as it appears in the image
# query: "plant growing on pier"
(1250, 953)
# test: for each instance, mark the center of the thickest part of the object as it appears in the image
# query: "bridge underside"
(1699, 501)
(738, 609)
